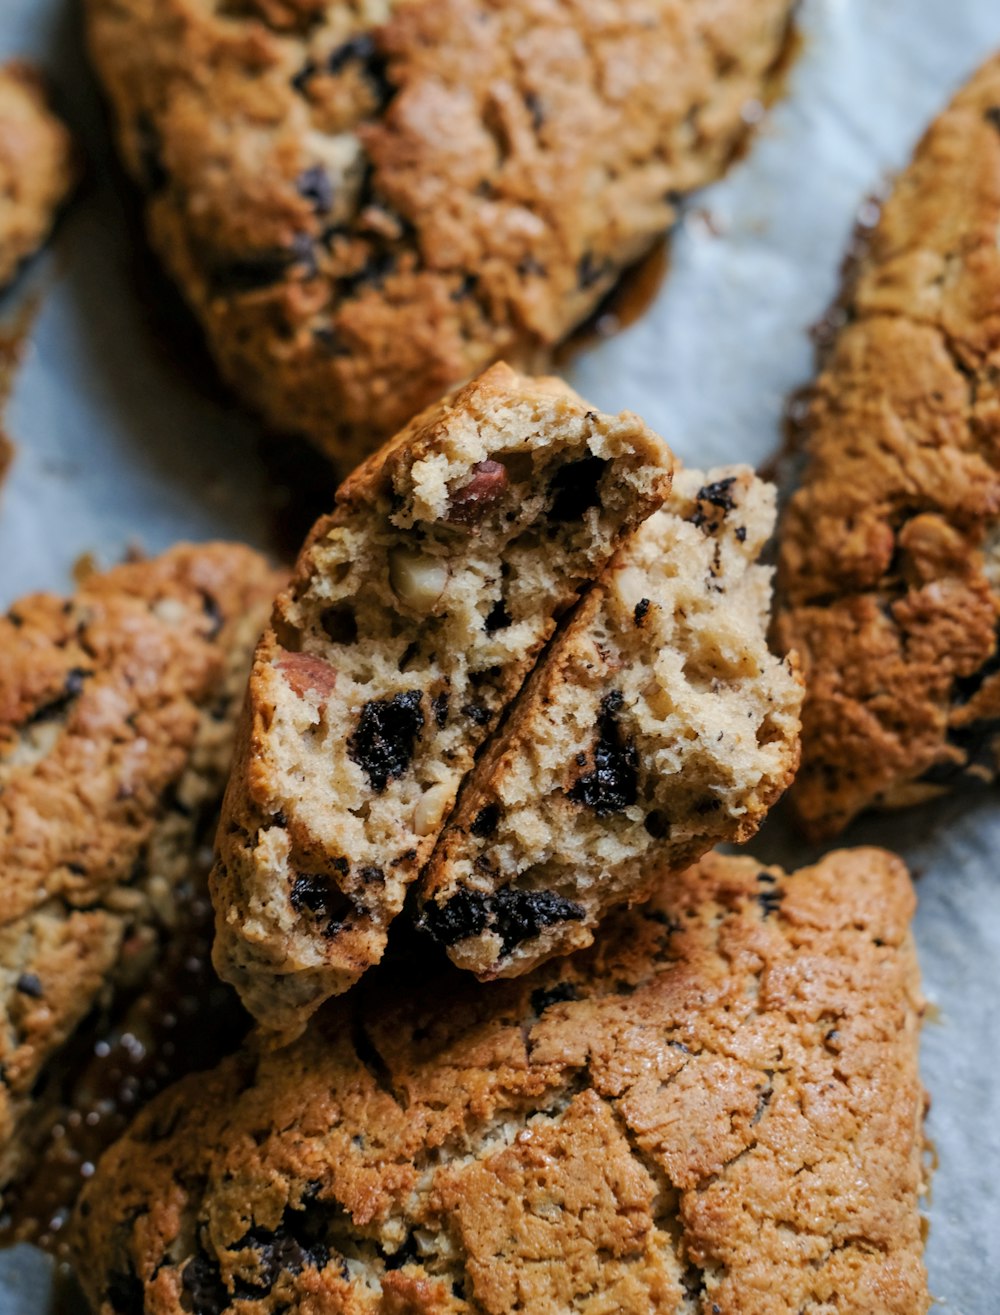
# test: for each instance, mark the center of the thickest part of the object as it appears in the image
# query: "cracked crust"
(117, 709)
(38, 166)
(366, 202)
(417, 609)
(715, 1110)
(890, 550)
(657, 726)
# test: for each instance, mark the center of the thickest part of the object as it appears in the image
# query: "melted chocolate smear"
(184, 1020)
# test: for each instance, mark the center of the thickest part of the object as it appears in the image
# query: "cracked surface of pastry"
(366, 202)
(715, 1110)
(889, 575)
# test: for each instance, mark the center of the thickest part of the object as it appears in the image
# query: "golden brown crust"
(363, 216)
(38, 165)
(716, 1110)
(116, 715)
(889, 573)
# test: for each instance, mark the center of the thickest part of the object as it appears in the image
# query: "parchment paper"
(121, 443)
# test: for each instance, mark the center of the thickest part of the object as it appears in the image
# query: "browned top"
(716, 1109)
(364, 216)
(38, 165)
(888, 555)
(116, 715)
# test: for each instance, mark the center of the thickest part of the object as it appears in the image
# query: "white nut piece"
(428, 813)
(417, 581)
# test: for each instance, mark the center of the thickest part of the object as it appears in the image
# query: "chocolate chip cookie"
(657, 726)
(117, 709)
(416, 611)
(38, 166)
(890, 549)
(366, 202)
(714, 1110)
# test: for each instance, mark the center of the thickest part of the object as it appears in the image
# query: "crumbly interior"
(117, 711)
(38, 165)
(887, 581)
(714, 1111)
(657, 725)
(366, 202)
(418, 608)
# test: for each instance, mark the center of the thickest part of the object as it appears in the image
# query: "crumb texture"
(417, 609)
(117, 709)
(713, 1111)
(38, 166)
(890, 549)
(656, 726)
(366, 202)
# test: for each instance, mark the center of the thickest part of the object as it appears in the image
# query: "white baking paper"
(118, 444)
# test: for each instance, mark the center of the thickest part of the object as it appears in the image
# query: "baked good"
(38, 165)
(890, 575)
(367, 203)
(117, 709)
(416, 611)
(716, 1109)
(657, 725)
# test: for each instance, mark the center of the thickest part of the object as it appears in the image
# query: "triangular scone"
(716, 1110)
(416, 611)
(657, 725)
(889, 575)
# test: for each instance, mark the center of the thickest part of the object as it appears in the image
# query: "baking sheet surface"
(123, 440)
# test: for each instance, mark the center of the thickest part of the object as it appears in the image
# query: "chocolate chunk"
(210, 606)
(485, 822)
(201, 1280)
(30, 984)
(469, 503)
(125, 1293)
(314, 185)
(519, 915)
(72, 689)
(658, 824)
(771, 896)
(477, 713)
(371, 876)
(705, 806)
(534, 107)
(296, 1244)
(718, 495)
(544, 998)
(464, 915)
(575, 489)
(741, 534)
(317, 894)
(498, 619)
(440, 706)
(614, 783)
(641, 610)
(406, 1255)
(384, 741)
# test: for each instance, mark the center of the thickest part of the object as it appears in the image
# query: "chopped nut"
(305, 672)
(488, 483)
(428, 813)
(417, 581)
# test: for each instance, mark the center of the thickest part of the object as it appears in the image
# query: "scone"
(416, 611)
(657, 725)
(366, 203)
(890, 549)
(117, 709)
(38, 166)
(716, 1109)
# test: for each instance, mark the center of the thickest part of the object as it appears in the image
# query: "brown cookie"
(889, 577)
(366, 202)
(713, 1111)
